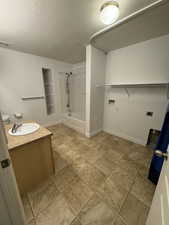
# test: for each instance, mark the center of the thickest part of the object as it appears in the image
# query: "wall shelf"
(137, 85)
(49, 90)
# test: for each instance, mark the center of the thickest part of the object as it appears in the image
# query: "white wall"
(95, 76)
(77, 97)
(21, 76)
(146, 62)
(78, 90)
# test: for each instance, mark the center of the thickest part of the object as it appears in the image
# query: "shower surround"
(77, 87)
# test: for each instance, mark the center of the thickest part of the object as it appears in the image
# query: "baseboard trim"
(52, 123)
(80, 129)
(93, 133)
(129, 138)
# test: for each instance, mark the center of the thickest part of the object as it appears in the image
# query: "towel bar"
(32, 98)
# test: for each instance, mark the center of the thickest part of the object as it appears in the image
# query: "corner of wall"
(95, 76)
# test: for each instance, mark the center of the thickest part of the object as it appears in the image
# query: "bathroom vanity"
(32, 158)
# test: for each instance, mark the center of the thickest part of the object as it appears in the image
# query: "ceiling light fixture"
(109, 12)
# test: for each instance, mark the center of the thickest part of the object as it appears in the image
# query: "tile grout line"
(77, 216)
(36, 216)
(95, 192)
(127, 197)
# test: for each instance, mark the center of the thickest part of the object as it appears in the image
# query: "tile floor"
(98, 181)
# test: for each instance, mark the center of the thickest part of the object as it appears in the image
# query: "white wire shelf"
(141, 85)
(136, 85)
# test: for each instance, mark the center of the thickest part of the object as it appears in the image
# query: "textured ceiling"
(57, 29)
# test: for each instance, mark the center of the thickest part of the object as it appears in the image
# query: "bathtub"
(74, 122)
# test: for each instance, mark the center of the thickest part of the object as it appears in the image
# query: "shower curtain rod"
(127, 18)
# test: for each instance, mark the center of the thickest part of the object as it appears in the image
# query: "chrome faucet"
(17, 124)
(15, 127)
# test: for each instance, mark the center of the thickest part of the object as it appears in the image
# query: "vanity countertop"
(16, 141)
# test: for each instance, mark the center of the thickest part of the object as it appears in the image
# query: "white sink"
(26, 128)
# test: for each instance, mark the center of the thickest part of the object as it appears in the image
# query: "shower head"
(69, 74)
(65, 73)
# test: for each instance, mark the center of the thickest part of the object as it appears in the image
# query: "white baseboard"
(93, 133)
(129, 138)
(52, 123)
(75, 124)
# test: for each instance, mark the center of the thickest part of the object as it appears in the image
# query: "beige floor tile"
(119, 221)
(144, 149)
(59, 139)
(64, 177)
(75, 143)
(57, 213)
(81, 151)
(143, 171)
(90, 175)
(87, 141)
(68, 153)
(32, 222)
(112, 194)
(79, 165)
(96, 212)
(113, 155)
(76, 222)
(121, 178)
(77, 195)
(105, 165)
(133, 211)
(27, 209)
(144, 190)
(109, 143)
(64, 140)
(100, 137)
(92, 154)
(127, 166)
(123, 146)
(43, 196)
(60, 163)
(141, 157)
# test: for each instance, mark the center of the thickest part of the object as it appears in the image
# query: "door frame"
(8, 185)
(156, 198)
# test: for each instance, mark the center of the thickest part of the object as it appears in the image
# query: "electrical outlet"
(111, 101)
(150, 114)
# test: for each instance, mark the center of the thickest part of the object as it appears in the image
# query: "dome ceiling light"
(109, 12)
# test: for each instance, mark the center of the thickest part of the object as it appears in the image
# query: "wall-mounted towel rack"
(32, 98)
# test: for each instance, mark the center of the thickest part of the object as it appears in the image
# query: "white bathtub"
(74, 123)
